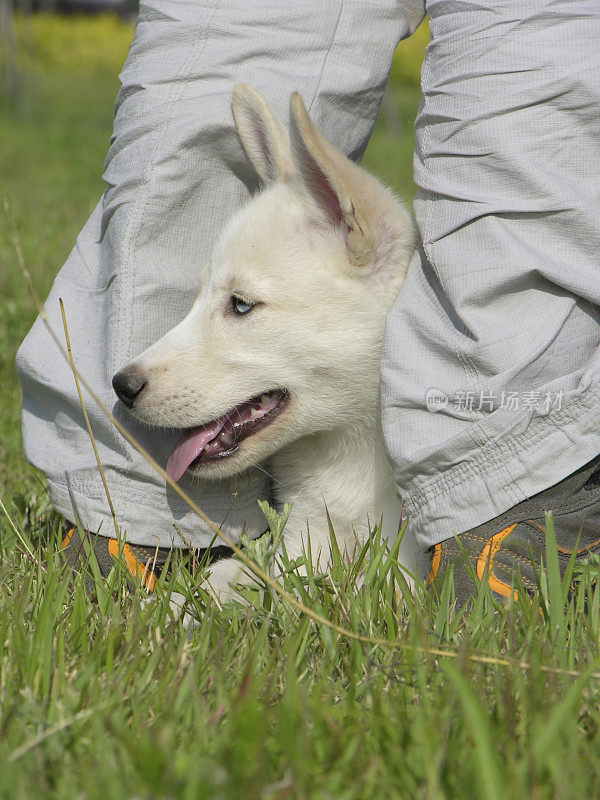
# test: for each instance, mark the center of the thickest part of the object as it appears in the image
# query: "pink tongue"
(190, 446)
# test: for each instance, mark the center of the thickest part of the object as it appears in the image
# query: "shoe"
(515, 542)
(145, 563)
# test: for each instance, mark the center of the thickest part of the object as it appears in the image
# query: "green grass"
(114, 699)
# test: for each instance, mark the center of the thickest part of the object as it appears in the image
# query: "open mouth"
(220, 438)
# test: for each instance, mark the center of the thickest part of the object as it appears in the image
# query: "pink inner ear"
(321, 189)
(264, 143)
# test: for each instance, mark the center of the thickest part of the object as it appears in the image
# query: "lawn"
(379, 698)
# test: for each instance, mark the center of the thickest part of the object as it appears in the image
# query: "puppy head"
(284, 339)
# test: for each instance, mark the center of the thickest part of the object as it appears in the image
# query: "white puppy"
(277, 363)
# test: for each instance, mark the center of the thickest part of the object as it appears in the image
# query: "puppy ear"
(339, 188)
(263, 137)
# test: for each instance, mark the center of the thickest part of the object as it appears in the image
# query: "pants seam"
(324, 64)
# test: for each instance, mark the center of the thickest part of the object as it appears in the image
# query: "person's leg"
(175, 172)
(491, 359)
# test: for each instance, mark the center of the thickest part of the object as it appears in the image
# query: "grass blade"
(492, 781)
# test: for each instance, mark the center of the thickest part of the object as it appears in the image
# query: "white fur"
(323, 249)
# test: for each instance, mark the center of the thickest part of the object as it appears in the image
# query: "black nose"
(128, 383)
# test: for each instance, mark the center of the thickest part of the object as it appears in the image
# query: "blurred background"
(59, 67)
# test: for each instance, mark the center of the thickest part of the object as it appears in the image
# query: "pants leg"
(491, 360)
(175, 172)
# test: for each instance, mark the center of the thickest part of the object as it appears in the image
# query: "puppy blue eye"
(241, 306)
